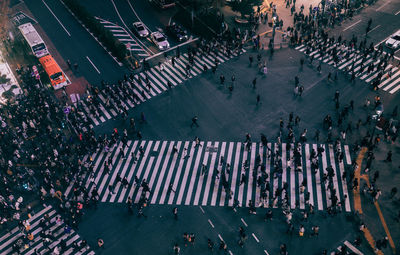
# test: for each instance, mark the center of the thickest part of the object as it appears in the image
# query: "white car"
(159, 40)
(394, 41)
(140, 29)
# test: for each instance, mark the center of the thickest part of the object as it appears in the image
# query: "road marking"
(201, 208)
(255, 237)
(243, 222)
(133, 10)
(374, 28)
(92, 64)
(123, 22)
(212, 225)
(351, 25)
(265, 251)
(383, 5)
(220, 237)
(176, 46)
(230, 253)
(56, 18)
(356, 192)
(397, 13)
(385, 227)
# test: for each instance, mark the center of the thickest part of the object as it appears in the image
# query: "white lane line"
(56, 18)
(265, 251)
(123, 22)
(374, 28)
(92, 64)
(397, 13)
(212, 225)
(351, 25)
(133, 10)
(202, 210)
(220, 237)
(243, 222)
(383, 5)
(255, 237)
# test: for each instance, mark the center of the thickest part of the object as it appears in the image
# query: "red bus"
(53, 70)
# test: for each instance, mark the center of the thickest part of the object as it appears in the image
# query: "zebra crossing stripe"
(319, 184)
(161, 167)
(309, 176)
(140, 169)
(210, 174)
(194, 175)
(235, 172)
(202, 174)
(169, 176)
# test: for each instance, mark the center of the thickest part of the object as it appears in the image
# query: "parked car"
(394, 41)
(140, 29)
(177, 32)
(159, 40)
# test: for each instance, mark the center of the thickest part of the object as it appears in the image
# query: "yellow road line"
(385, 227)
(370, 240)
(357, 175)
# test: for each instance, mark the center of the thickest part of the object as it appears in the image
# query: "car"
(177, 32)
(160, 40)
(394, 41)
(140, 29)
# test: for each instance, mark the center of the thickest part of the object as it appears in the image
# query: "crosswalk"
(111, 101)
(390, 81)
(211, 173)
(124, 37)
(346, 248)
(56, 227)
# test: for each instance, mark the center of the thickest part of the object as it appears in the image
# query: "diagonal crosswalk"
(112, 101)
(389, 82)
(16, 242)
(123, 36)
(217, 173)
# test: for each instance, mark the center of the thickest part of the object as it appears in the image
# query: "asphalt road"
(385, 15)
(74, 42)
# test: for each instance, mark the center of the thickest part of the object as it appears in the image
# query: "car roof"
(157, 34)
(138, 23)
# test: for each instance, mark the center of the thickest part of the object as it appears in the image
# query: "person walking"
(194, 122)
(258, 99)
(175, 212)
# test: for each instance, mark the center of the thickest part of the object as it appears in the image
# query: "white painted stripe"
(383, 5)
(116, 170)
(235, 173)
(241, 187)
(217, 181)
(95, 67)
(143, 161)
(126, 165)
(132, 170)
(185, 175)
(201, 178)
(149, 167)
(194, 174)
(168, 180)
(255, 237)
(324, 166)
(244, 223)
(292, 179)
(250, 179)
(59, 22)
(352, 25)
(178, 173)
(212, 225)
(309, 177)
(210, 173)
(228, 161)
(318, 184)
